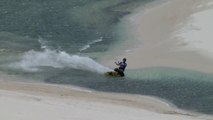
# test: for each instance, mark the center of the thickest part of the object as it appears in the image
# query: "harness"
(122, 65)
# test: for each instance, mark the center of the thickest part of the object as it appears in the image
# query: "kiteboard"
(112, 74)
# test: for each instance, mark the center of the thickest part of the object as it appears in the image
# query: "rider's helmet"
(124, 59)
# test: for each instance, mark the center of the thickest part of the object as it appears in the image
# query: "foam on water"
(42, 43)
(32, 61)
(89, 44)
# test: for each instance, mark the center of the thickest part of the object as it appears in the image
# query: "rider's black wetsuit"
(120, 70)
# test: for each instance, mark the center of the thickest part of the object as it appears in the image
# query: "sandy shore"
(54, 102)
(152, 40)
(33, 101)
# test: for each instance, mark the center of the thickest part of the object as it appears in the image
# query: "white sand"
(153, 37)
(25, 101)
(197, 34)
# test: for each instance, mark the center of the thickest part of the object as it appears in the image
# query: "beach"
(158, 42)
(39, 101)
(156, 37)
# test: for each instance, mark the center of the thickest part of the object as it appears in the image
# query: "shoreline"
(67, 92)
(70, 99)
(59, 102)
(151, 42)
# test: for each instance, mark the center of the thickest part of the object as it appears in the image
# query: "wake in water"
(89, 44)
(32, 61)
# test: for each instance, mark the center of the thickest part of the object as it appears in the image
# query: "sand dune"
(39, 101)
(154, 28)
(155, 37)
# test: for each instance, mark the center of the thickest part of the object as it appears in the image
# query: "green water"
(59, 41)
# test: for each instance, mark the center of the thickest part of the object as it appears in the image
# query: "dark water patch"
(13, 43)
(72, 24)
(123, 8)
(65, 23)
(191, 93)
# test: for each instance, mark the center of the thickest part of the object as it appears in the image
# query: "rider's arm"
(117, 63)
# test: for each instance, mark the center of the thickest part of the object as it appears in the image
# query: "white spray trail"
(32, 60)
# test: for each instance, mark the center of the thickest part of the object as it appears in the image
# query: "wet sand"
(33, 101)
(56, 102)
(152, 40)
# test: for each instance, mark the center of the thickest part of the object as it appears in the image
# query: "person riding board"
(122, 65)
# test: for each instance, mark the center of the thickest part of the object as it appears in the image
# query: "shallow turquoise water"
(59, 42)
